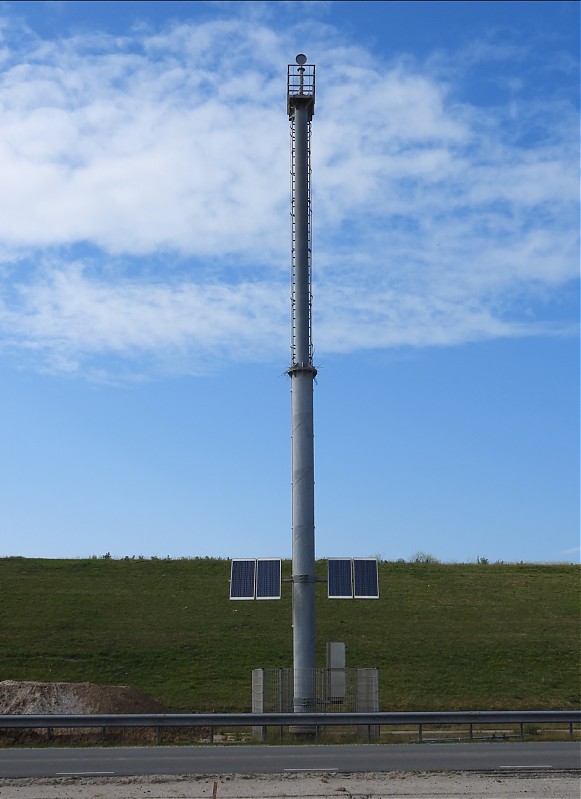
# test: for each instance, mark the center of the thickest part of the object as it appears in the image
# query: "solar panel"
(242, 578)
(339, 578)
(365, 578)
(268, 578)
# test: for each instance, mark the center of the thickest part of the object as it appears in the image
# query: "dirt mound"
(67, 697)
(83, 698)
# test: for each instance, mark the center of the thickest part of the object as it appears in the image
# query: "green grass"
(445, 637)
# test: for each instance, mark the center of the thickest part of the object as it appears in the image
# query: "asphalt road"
(52, 762)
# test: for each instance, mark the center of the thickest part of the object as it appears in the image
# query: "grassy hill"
(462, 636)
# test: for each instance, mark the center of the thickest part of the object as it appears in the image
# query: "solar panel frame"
(365, 578)
(268, 578)
(339, 578)
(243, 578)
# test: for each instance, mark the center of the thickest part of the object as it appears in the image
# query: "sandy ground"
(306, 786)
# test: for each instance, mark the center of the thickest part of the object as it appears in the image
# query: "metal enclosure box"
(336, 669)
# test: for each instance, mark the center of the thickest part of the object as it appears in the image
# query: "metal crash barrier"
(215, 721)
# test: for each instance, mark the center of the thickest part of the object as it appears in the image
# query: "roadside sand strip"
(300, 786)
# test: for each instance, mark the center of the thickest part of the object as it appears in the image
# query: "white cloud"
(436, 222)
(191, 325)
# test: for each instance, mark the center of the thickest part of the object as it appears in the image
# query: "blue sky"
(144, 278)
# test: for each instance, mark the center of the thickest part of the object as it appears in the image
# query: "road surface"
(176, 760)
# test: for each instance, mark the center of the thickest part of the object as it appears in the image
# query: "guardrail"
(215, 721)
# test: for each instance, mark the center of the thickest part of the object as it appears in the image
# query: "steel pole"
(302, 374)
(302, 347)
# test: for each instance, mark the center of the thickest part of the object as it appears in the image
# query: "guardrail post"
(570, 729)
(522, 731)
(420, 733)
(211, 734)
(471, 731)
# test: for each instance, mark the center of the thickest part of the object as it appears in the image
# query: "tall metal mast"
(300, 107)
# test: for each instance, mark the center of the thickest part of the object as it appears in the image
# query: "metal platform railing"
(301, 80)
